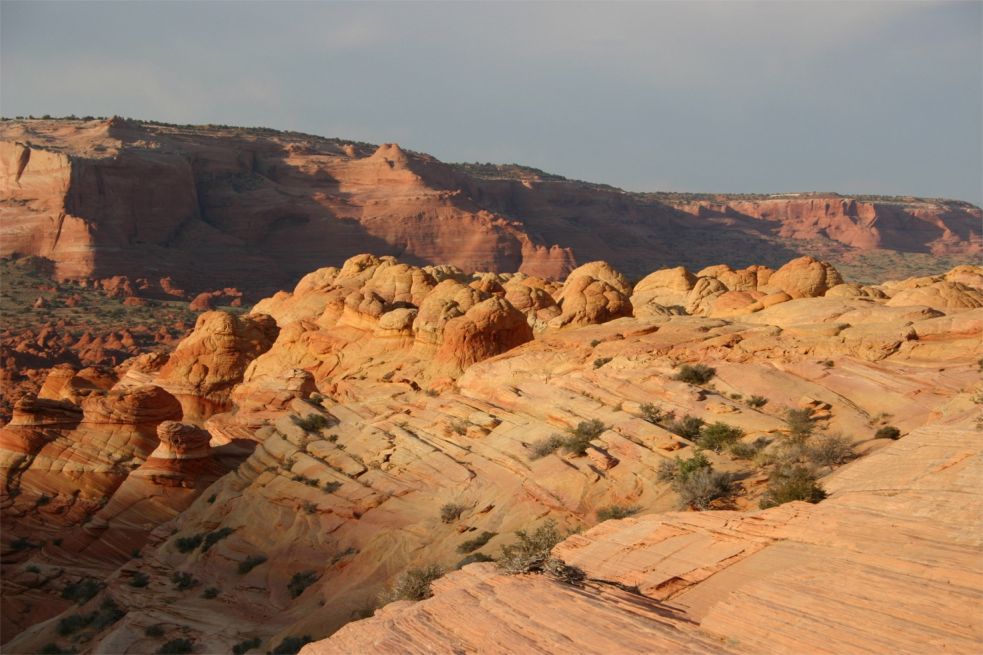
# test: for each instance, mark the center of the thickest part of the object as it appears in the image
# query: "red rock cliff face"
(915, 226)
(255, 209)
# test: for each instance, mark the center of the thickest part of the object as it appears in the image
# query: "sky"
(854, 97)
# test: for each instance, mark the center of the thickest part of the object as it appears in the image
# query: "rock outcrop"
(277, 471)
(102, 198)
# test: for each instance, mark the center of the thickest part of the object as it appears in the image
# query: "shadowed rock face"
(344, 415)
(103, 198)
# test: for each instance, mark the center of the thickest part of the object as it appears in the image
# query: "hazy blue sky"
(885, 97)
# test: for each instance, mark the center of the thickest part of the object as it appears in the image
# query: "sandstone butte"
(272, 474)
(102, 198)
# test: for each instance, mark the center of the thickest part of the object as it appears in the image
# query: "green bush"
(580, 437)
(251, 562)
(742, 450)
(331, 486)
(601, 361)
(757, 402)
(139, 579)
(653, 414)
(301, 581)
(54, 649)
(702, 487)
(188, 544)
(176, 647)
(451, 512)
(532, 551)
(183, 580)
(245, 646)
(156, 630)
(213, 538)
(547, 446)
(210, 592)
(412, 585)
(81, 591)
(695, 481)
(788, 483)
(888, 432)
(291, 645)
(695, 374)
(474, 544)
(616, 512)
(829, 450)
(718, 436)
(800, 424)
(72, 623)
(688, 427)
(311, 422)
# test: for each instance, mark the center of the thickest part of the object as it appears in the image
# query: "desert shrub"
(139, 579)
(188, 544)
(72, 624)
(251, 562)
(743, 450)
(412, 585)
(788, 483)
(311, 422)
(451, 512)
(21, 543)
(291, 645)
(601, 361)
(183, 580)
(459, 427)
(156, 630)
(210, 592)
(43, 499)
(888, 432)
(653, 414)
(546, 446)
(476, 543)
(472, 558)
(718, 436)
(245, 646)
(695, 374)
(581, 436)
(176, 647)
(532, 552)
(301, 581)
(213, 538)
(33, 568)
(695, 481)
(756, 401)
(702, 487)
(688, 427)
(54, 649)
(109, 613)
(211, 499)
(81, 591)
(616, 512)
(331, 487)
(310, 507)
(829, 450)
(800, 424)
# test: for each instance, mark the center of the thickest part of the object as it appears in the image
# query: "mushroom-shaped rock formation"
(206, 365)
(602, 271)
(586, 300)
(487, 329)
(804, 277)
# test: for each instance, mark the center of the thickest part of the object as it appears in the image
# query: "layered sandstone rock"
(101, 198)
(348, 436)
(797, 578)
